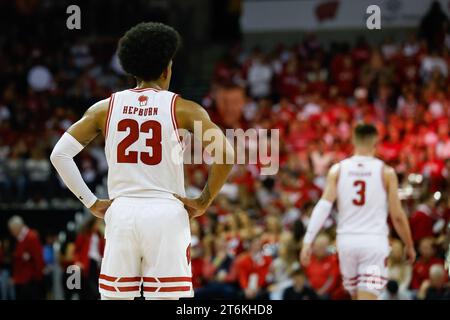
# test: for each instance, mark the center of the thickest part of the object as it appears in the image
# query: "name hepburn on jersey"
(150, 111)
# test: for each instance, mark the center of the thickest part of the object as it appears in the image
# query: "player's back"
(361, 197)
(142, 145)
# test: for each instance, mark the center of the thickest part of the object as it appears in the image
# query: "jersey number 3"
(360, 199)
(154, 142)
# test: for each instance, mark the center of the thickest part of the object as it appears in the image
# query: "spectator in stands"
(283, 266)
(67, 259)
(427, 258)
(28, 262)
(323, 270)
(6, 287)
(434, 26)
(422, 220)
(259, 77)
(398, 269)
(89, 247)
(38, 172)
(252, 268)
(436, 287)
(299, 290)
(216, 270)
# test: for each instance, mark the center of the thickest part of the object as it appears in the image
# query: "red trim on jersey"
(143, 89)
(107, 288)
(373, 276)
(128, 289)
(175, 279)
(167, 279)
(150, 289)
(120, 289)
(166, 289)
(118, 279)
(173, 289)
(107, 278)
(174, 117)
(108, 117)
(130, 279)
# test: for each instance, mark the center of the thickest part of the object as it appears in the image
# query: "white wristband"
(62, 159)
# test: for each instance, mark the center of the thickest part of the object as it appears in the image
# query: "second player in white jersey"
(366, 191)
(361, 197)
(142, 145)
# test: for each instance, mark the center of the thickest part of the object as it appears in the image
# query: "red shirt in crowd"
(421, 223)
(245, 266)
(28, 261)
(325, 273)
(421, 271)
(82, 246)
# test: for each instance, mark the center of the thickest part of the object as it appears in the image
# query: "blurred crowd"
(246, 246)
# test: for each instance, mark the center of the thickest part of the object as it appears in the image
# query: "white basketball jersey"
(361, 197)
(142, 145)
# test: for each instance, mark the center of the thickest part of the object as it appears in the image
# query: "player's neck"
(149, 84)
(363, 153)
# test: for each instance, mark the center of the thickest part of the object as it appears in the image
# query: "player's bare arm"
(397, 214)
(187, 113)
(320, 213)
(78, 136)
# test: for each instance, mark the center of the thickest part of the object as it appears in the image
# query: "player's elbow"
(54, 157)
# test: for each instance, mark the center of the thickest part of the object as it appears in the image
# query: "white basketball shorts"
(363, 262)
(148, 245)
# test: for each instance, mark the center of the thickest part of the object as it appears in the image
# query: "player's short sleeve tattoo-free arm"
(69, 145)
(398, 216)
(189, 114)
(323, 208)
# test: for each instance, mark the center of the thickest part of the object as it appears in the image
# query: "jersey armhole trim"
(108, 117)
(174, 117)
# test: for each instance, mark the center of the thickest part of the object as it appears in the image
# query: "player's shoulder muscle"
(389, 176)
(333, 173)
(92, 122)
(187, 112)
(99, 108)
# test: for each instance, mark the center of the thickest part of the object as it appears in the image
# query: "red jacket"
(246, 266)
(28, 261)
(421, 223)
(421, 271)
(82, 245)
(325, 271)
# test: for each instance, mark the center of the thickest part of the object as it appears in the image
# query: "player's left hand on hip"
(195, 206)
(100, 207)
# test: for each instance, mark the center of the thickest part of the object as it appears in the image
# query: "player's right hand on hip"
(195, 206)
(99, 208)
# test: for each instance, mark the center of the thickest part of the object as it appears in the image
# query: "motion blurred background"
(309, 68)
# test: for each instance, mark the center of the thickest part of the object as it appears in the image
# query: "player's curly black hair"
(146, 49)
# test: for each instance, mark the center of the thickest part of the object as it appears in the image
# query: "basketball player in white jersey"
(147, 225)
(366, 190)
